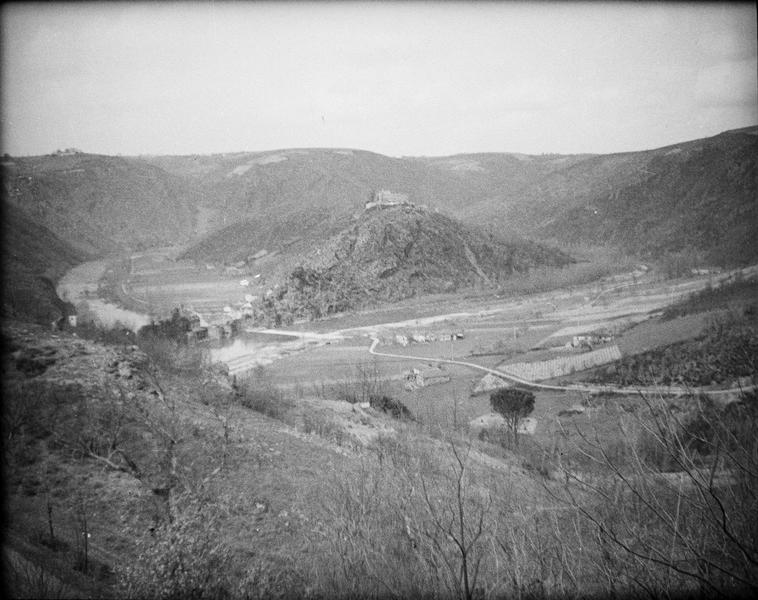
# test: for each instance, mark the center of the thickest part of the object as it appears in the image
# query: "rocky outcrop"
(400, 252)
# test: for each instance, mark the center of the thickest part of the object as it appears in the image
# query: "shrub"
(266, 399)
(182, 559)
(325, 428)
(391, 406)
(172, 356)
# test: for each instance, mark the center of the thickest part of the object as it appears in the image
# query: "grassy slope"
(275, 494)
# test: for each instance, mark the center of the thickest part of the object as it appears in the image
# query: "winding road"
(665, 391)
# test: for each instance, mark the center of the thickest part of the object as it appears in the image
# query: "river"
(79, 286)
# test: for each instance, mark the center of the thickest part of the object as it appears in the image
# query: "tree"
(513, 404)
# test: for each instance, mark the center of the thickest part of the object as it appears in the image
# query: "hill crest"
(398, 251)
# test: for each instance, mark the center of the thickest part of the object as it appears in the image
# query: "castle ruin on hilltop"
(385, 198)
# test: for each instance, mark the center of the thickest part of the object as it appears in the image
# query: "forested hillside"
(99, 203)
(33, 259)
(698, 196)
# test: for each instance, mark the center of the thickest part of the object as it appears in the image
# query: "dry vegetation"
(190, 487)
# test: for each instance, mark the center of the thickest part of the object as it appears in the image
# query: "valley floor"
(291, 467)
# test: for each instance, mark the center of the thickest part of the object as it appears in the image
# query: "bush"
(326, 428)
(389, 405)
(183, 559)
(266, 400)
(172, 356)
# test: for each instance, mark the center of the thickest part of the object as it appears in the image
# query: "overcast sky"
(395, 78)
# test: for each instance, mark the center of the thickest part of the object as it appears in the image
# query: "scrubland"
(158, 477)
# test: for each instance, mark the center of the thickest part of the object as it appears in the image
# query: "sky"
(401, 79)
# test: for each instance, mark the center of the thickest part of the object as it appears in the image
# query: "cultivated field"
(332, 355)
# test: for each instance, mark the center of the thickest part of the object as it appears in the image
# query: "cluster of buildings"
(590, 340)
(403, 339)
(198, 331)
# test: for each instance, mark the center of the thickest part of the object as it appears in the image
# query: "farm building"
(401, 339)
(590, 340)
(416, 378)
(455, 335)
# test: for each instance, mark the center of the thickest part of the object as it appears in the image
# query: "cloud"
(728, 83)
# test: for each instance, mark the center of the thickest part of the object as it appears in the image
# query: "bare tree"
(457, 520)
(691, 526)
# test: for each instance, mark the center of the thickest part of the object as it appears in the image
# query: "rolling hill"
(696, 197)
(395, 252)
(33, 259)
(101, 204)
(699, 196)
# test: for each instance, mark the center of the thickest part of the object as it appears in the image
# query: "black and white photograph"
(379, 299)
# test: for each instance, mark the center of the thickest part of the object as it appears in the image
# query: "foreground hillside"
(140, 472)
(396, 252)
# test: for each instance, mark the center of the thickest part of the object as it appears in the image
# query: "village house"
(417, 378)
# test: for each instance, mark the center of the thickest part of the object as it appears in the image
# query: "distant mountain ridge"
(697, 196)
(677, 188)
